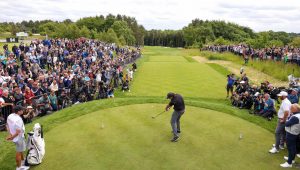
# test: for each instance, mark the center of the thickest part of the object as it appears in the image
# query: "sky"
(260, 15)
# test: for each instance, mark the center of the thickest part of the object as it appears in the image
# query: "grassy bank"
(278, 70)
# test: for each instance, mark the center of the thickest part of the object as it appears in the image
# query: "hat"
(295, 89)
(170, 94)
(18, 108)
(242, 82)
(282, 93)
(29, 107)
(256, 94)
(29, 79)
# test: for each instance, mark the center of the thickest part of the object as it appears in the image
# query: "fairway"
(160, 74)
(131, 139)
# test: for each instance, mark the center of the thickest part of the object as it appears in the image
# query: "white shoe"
(281, 147)
(23, 168)
(298, 155)
(273, 150)
(286, 158)
(286, 165)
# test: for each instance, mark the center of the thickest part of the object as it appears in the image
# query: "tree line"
(125, 30)
(199, 33)
(119, 29)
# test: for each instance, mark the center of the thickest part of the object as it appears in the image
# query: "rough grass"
(278, 70)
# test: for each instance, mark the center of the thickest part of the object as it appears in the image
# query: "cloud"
(259, 15)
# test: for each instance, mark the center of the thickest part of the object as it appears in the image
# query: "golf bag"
(35, 146)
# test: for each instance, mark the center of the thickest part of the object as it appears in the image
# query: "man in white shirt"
(283, 114)
(15, 127)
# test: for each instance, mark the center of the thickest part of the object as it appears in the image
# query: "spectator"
(44, 105)
(230, 83)
(53, 100)
(28, 115)
(28, 96)
(269, 108)
(293, 97)
(292, 128)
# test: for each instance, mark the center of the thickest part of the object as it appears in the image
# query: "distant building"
(21, 35)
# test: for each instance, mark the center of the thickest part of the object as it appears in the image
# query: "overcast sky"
(260, 15)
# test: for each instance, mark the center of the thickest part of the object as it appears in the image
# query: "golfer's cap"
(256, 94)
(242, 82)
(18, 108)
(283, 93)
(29, 107)
(170, 94)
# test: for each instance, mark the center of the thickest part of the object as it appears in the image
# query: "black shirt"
(178, 102)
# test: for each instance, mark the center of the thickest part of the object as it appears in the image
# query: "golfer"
(177, 101)
(15, 127)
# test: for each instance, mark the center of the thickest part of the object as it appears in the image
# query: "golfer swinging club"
(179, 108)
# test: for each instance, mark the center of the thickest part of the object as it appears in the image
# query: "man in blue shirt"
(230, 83)
(293, 97)
(269, 109)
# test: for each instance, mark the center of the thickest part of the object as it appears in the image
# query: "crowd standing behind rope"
(49, 75)
(285, 54)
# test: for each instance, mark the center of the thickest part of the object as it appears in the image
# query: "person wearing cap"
(293, 97)
(258, 103)
(176, 100)
(283, 114)
(292, 128)
(15, 127)
(28, 115)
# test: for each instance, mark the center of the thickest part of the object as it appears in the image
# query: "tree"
(111, 36)
(122, 41)
(296, 42)
(121, 29)
(85, 32)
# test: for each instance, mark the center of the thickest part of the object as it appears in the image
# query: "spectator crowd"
(286, 54)
(49, 75)
(260, 100)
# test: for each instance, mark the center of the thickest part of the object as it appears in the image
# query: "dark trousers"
(291, 142)
(279, 134)
(175, 122)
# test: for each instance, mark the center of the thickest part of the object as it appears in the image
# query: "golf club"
(158, 114)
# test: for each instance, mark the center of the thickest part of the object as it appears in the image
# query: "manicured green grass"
(131, 139)
(160, 74)
(277, 70)
(220, 69)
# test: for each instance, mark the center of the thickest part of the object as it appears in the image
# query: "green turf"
(131, 139)
(160, 74)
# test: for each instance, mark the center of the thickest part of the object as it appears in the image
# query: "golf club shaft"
(159, 114)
